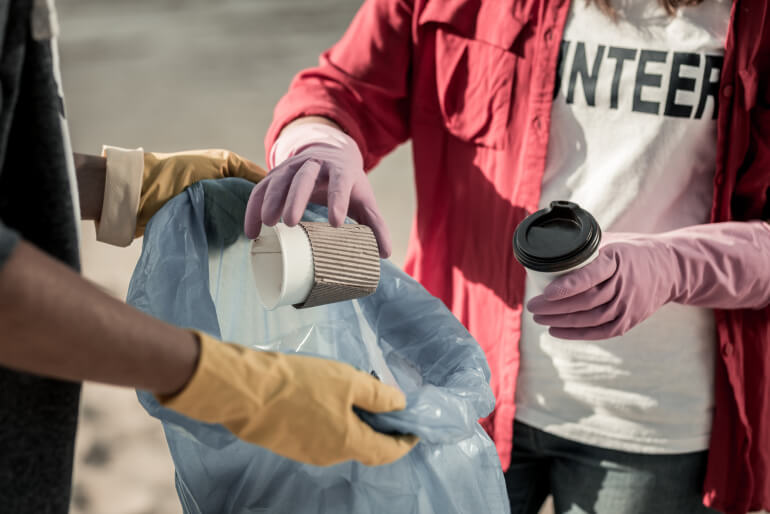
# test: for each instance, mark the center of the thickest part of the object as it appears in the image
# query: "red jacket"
(471, 83)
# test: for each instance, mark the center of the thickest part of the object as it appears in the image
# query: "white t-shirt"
(633, 141)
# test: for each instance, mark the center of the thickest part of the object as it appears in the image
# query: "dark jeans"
(588, 479)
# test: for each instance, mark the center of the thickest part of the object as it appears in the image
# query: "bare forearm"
(91, 171)
(55, 323)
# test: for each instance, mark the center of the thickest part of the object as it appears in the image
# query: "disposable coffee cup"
(553, 241)
(314, 264)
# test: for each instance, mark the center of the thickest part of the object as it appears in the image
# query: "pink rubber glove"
(718, 266)
(324, 166)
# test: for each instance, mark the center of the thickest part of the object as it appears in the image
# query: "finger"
(371, 217)
(252, 223)
(586, 319)
(302, 186)
(338, 196)
(583, 279)
(372, 395)
(372, 448)
(590, 299)
(599, 333)
(275, 196)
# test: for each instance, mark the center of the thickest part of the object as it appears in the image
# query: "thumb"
(372, 448)
(583, 279)
(372, 395)
(252, 222)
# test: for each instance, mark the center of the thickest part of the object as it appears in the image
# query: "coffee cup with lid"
(553, 241)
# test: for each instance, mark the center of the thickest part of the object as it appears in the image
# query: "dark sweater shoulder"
(38, 416)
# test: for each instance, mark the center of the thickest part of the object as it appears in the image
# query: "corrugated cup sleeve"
(346, 263)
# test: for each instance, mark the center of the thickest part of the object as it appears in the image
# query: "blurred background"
(171, 75)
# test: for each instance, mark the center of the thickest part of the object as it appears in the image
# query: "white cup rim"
(282, 264)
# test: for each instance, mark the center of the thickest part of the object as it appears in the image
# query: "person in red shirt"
(635, 384)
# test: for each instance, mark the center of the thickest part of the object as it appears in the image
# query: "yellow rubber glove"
(297, 406)
(168, 174)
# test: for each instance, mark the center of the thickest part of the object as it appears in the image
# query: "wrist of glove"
(720, 266)
(138, 184)
(297, 406)
(324, 166)
(166, 175)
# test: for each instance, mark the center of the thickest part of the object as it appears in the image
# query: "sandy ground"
(170, 75)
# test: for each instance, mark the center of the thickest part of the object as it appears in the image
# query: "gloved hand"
(138, 184)
(166, 175)
(325, 166)
(718, 266)
(297, 406)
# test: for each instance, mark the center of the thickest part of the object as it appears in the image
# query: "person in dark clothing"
(56, 329)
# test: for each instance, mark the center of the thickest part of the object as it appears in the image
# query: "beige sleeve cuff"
(122, 190)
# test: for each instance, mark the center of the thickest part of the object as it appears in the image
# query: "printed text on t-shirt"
(667, 83)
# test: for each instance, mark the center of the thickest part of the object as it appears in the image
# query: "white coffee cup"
(541, 279)
(314, 264)
(556, 240)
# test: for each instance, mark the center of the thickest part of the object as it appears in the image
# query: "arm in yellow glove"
(134, 185)
(297, 406)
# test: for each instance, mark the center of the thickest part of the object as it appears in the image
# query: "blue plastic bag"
(195, 272)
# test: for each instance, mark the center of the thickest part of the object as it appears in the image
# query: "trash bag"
(195, 272)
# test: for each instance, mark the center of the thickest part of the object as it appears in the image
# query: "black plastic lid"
(556, 238)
